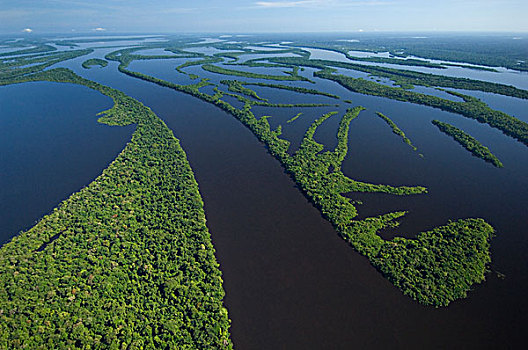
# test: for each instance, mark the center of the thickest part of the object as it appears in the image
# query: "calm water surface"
(51, 145)
(505, 76)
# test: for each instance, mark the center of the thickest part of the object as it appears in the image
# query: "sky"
(236, 16)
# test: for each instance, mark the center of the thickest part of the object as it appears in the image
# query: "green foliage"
(38, 48)
(487, 50)
(241, 50)
(294, 118)
(183, 53)
(238, 73)
(385, 60)
(409, 78)
(265, 103)
(468, 142)
(10, 68)
(436, 268)
(440, 265)
(237, 86)
(257, 62)
(470, 108)
(94, 62)
(203, 61)
(294, 88)
(126, 262)
(397, 61)
(396, 130)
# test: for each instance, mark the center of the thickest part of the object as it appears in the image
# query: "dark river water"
(290, 281)
(50, 146)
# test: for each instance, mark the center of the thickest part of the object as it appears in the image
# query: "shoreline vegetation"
(410, 264)
(408, 78)
(127, 261)
(294, 88)
(471, 107)
(23, 65)
(264, 102)
(454, 50)
(94, 62)
(294, 118)
(396, 130)
(38, 48)
(292, 76)
(468, 142)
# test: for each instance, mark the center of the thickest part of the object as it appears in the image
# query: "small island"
(468, 142)
(396, 130)
(94, 62)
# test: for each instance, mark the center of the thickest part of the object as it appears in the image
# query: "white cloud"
(99, 29)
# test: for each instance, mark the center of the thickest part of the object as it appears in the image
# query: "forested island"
(468, 142)
(94, 62)
(396, 130)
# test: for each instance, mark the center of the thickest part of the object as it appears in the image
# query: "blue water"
(505, 76)
(50, 146)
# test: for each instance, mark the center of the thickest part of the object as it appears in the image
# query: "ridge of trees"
(468, 142)
(396, 130)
